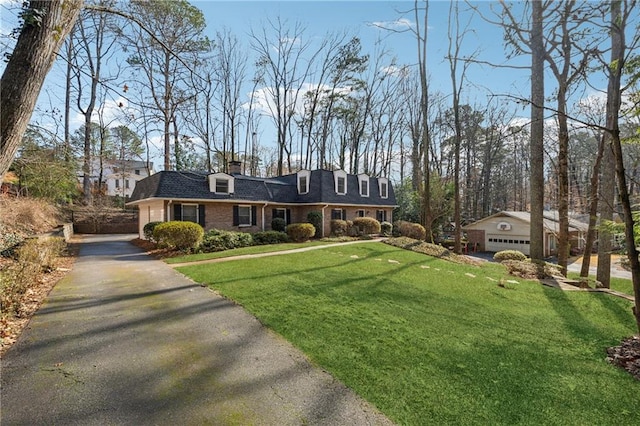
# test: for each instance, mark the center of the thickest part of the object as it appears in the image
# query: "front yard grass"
(432, 342)
(268, 248)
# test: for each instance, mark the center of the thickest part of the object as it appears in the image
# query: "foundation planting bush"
(315, 218)
(218, 240)
(278, 224)
(270, 237)
(178, 235)
(367, 225)
(299, 232)
(339, 228)
(147, 230)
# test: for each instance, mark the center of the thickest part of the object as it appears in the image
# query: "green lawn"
(268, 248)
(432, 342)
(619, 284)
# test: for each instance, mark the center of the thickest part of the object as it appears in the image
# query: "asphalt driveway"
(124, 339)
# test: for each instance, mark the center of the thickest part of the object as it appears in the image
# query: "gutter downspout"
(325, 206)
(263, 207)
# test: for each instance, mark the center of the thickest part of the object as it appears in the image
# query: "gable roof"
(550, 220)
(177, 185)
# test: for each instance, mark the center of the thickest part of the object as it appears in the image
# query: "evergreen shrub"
(178, 235)
(299, 232)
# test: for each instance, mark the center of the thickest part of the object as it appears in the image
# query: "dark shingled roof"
(283, 189)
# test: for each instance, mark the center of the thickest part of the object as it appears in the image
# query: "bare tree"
(283, 69)
(619, 55)
(93, 48)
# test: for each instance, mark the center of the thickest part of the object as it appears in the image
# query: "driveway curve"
(124, 339)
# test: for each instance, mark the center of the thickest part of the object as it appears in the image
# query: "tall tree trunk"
(31, 60)
(537, 133)
(593, 211)
(563, 181)
(613, 108)
(605, 208)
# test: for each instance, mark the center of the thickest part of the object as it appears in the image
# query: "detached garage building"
(509, 230)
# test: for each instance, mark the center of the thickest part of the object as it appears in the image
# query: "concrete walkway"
(124, 339)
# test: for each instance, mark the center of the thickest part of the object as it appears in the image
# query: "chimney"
(235, 167)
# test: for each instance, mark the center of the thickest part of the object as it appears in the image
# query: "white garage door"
(497, 242)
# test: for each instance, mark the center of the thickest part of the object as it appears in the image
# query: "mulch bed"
(627, 356)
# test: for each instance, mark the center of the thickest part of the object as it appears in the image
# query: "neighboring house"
(245, 203)
(119, 177)
(509, 230)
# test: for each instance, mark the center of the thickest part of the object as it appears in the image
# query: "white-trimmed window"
(340, 180)
(383, 186)
(221, 183)
(360, 213)
(190, 213)
(381, 215)
(303, 181)
(363, 183)
(338, 214)
(244, 216)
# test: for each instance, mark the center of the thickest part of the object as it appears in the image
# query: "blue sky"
(360, 18)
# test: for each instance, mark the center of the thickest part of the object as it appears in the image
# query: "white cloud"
(401, 24)
(264, 104)
(396, 71)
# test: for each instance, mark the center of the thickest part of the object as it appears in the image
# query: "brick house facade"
(245, 203)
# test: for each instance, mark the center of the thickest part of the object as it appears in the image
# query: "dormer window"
(363, 181)
(221, 183)
(340, 180)
(303, 181)
(222, 186)
(383, 186)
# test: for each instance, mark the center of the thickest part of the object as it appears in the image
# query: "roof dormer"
(303, 178)
(221, 183)
(340, 181)
(383, 187)
(363, 184)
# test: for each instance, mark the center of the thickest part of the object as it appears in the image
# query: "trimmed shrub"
(218, 240)
(270, 237)
(339, 227)
(367, 225)
(386, 229)
(501, 256)
(315, 218)
(278, 224)
(178, 235)
(408, 229)
(147, 231)
(531, 270)
(299, 232)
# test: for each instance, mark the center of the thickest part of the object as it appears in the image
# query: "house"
(510, 230)
(123, 176)
(245, 203)
(119, 177)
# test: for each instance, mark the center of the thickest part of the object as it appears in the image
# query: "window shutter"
(274, 212)
(288, 216)
(254, 213)
(201, 210)
(177, 212)
(236, 218)
(344, 214)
